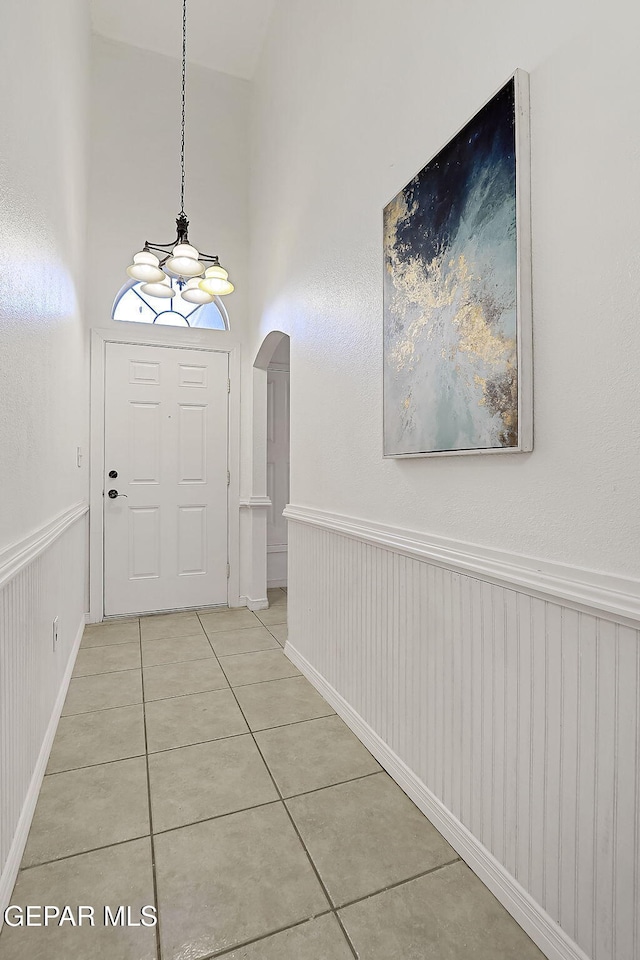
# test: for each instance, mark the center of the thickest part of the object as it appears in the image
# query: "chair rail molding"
(609, 596)
(17, 556)
(255, 503)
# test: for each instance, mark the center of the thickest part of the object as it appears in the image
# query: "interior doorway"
(277, 463)
(267, 528)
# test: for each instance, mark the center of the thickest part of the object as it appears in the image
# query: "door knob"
(114, 493)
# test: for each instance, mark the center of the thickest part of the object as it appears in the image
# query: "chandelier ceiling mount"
(199, 276)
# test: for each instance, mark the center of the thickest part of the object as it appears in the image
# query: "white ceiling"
(225, 35)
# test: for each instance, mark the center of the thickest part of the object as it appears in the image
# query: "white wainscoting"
(43, 577)
(509, 714)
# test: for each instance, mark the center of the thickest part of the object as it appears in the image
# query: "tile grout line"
(248, 653)
(100, 646)
(329, 786)
(255, 683)
(180, 696)
(86, 713)
(87, 676)
(217, 816)
(244, 733)
(184, 636)
(177, 636)
(286, 624)
(193, 823)
(194, 743)
(170, 663)
(82, 853)
(399, 883)
(99, 763)
(197, 743)
(332, 911)
(268, 803)
(272, 933)
(101, 673)
(326, 892)
(332, 908)
(297, 832)
(265, 803)
(151, 837)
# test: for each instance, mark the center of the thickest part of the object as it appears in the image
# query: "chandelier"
(200, 277)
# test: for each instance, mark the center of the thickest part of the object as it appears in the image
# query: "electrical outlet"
(55, 634)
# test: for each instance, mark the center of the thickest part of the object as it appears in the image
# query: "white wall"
(352, 98)
(43, 370)
(44, 391)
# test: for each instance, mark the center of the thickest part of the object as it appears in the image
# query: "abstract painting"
(457, 297)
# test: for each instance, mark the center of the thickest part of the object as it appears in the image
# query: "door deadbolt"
(113, 474)
(114, 493)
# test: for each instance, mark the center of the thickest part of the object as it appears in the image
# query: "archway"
(270, 488)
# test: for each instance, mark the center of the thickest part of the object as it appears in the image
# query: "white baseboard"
(261, 604)
(543, 930)
(272, 584)
(14, 858)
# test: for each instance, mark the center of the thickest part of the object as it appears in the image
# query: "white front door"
(166, 426)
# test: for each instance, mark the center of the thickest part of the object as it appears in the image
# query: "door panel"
(192, 540)
(144, 542)
(166, 422)
(144, 444)
(192, 443)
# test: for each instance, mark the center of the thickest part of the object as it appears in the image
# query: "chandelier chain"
(184, 73)
(166, 270)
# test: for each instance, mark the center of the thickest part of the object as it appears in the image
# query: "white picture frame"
(392, 440)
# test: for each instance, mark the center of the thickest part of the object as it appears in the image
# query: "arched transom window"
(134, 306)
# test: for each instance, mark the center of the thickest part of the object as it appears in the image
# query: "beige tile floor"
(196, 769)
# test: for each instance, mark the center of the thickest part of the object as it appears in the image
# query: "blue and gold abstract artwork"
(454, 377)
